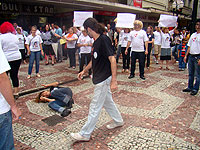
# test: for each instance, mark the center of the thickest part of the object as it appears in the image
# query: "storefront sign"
(25, 8)
(137, 3)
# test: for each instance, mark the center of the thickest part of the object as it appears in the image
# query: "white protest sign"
(80, 17)
(167, 21)
(125, 20)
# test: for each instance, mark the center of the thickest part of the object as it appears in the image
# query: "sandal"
(160, 68)
(29, 76)
(167, 68)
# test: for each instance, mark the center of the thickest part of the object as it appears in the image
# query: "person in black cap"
(59, 98)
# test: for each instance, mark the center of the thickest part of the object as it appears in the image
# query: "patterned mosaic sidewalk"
(157, 114)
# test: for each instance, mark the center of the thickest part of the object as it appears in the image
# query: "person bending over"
(59, 98)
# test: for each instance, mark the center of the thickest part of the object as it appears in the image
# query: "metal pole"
(194, 15)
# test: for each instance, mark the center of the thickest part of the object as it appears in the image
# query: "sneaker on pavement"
(79, 137)
(187, 90)
(114, 125)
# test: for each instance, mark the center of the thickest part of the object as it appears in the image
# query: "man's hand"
(126, 52)
(44, 85)
(185, 59)
(146, 52)
(199, 62)
(29, 52)
(113, 85)
(16, 113)
(42, 52)
(80, 75)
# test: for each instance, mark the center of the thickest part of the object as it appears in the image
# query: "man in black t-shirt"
(104, 68)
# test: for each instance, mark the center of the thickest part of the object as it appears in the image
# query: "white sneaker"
(114, 125)
(79, 137)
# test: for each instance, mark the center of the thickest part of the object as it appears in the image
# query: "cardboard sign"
(167, 21)
(125, 20)
(80, 17)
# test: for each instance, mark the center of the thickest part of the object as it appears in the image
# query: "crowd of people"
(99, 49)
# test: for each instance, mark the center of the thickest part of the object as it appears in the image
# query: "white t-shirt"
(165, 40)
(21, 39)
(138, 39)
(157, 38)
(124, 40)
(71, 44)
(4, 66)
(120, 37)
(85, 40)
(194, 43)
(10, 46)
(34, 42)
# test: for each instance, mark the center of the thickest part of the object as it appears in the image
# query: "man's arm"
(113, 63)
(146, 45)
(128, 45)
(186, 55)
(6, 91)
(89, 66)
(54, 84)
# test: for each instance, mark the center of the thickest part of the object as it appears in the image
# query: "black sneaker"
(70, 103)
(66, 112)
(187, 90)
(131, 76)
(142, 77)
(193, 92)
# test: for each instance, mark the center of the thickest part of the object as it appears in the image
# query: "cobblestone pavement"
(157, 114)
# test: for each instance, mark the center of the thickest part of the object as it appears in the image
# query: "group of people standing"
(139, 44)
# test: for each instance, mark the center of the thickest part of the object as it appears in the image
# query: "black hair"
(198, 20)
(94, 25)
(56, 24)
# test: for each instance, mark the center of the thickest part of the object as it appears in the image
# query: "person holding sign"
(137, 39)
(104, 69)
(165, 47)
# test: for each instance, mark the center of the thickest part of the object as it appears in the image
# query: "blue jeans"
(57, 106)
(194, 71)
(182, 64)
(6, 132)
(102, 98)
(175, 52)
(35, 56)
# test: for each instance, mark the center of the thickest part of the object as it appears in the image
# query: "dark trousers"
(65, 54)
(126, 58)
(140, 56)
(118, 53)
(194, 71)
(72, 56)
(83, 57)
(147, 57)
(14, 65)
(23, 53)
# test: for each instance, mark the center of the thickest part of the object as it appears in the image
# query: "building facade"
(40, 12)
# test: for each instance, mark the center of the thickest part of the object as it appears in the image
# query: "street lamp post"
(177, 6)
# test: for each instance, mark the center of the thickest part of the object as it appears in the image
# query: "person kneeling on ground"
(58, 98)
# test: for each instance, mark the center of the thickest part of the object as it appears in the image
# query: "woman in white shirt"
(126, 57)
(165, 47)
(71, 38)
(138, 39)
(34, 47)
(10, 46)
(22, 40)
(85, 44)
(157, 43)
